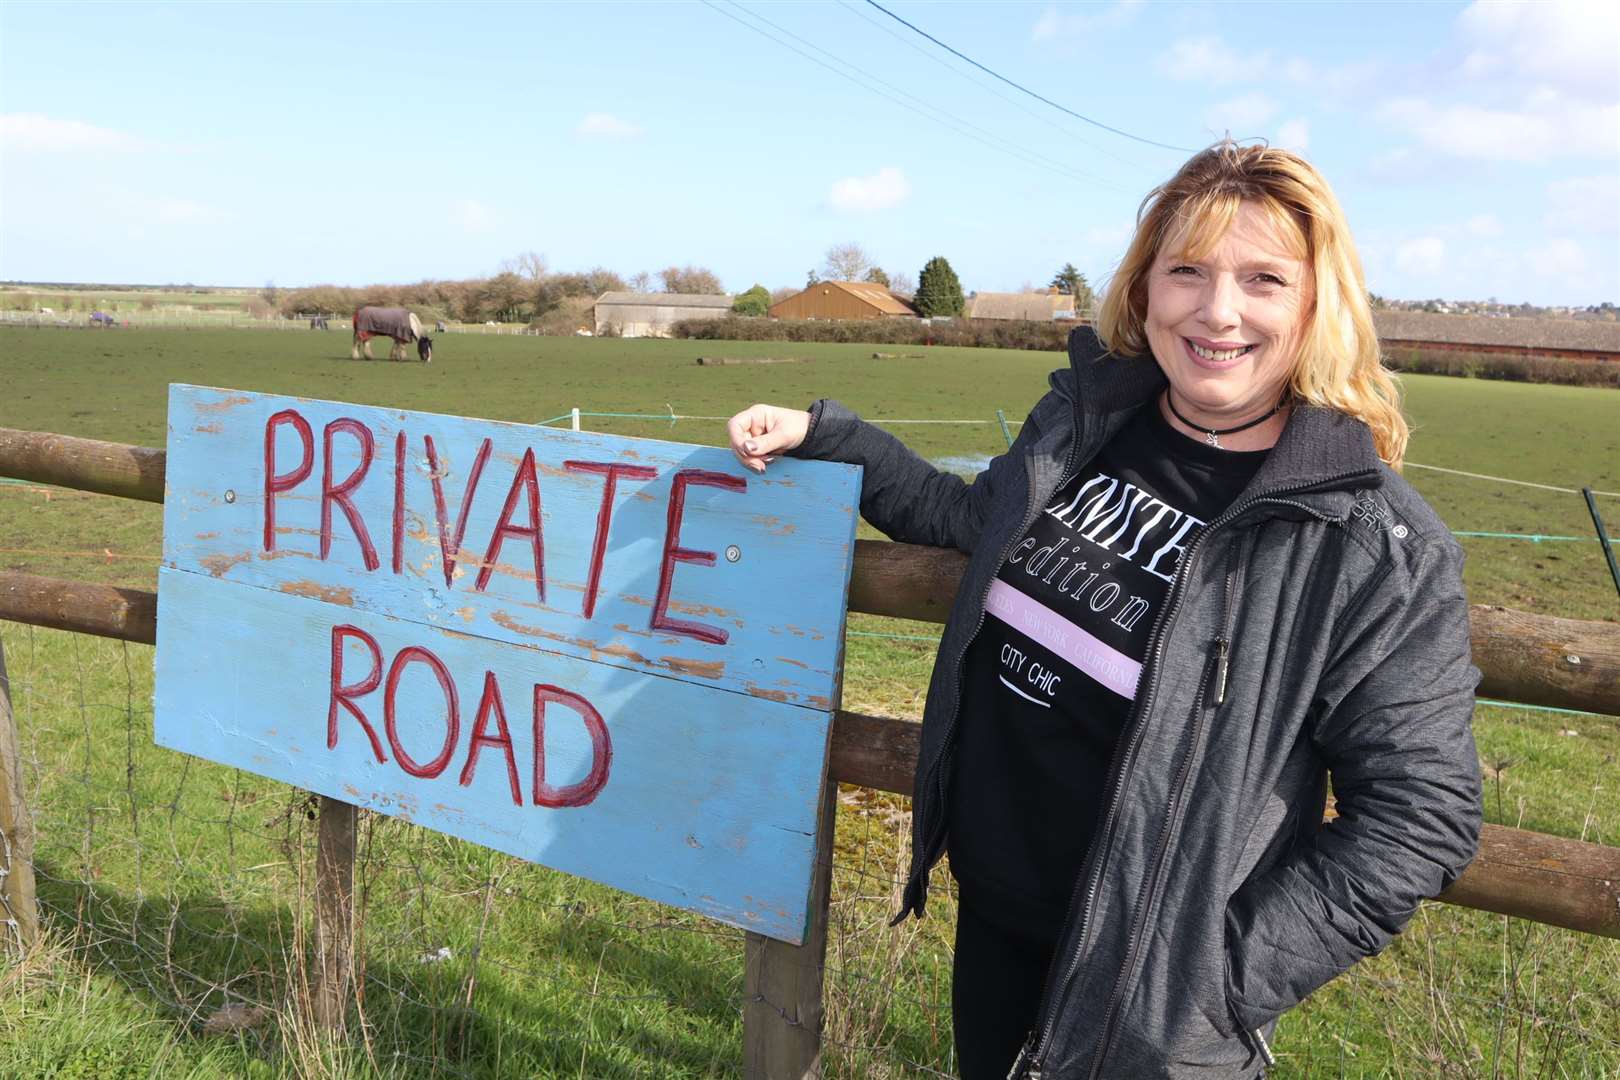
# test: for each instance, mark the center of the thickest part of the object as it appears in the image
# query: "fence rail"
(1534, 659)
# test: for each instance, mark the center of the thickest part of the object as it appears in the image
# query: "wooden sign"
(616, 657)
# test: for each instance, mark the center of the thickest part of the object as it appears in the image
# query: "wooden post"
(19, 912)
(782, 984)
(334, 914)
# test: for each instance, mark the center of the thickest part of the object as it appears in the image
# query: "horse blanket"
(394, 322)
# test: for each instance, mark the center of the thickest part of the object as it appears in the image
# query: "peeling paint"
(224, 404)
(220, 565)
(332, 594)
(708, 669)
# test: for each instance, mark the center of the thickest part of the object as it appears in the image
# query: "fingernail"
(751, 447)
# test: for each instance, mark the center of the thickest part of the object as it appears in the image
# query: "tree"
(1073, 282)
(530, 265)
(900, 284)
(847, 262)
(939, 291)
(876, 276)
(811, 277)
(270, 293)
(640, 282)
(756, 301)
(690, 279)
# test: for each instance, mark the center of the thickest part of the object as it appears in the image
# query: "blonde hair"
(1339, 364)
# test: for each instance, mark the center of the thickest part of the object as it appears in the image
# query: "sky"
(1474, 147)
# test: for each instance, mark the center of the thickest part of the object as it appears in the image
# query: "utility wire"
(1014, 102)
(920, 101)
(945, 119)
(1020, 87)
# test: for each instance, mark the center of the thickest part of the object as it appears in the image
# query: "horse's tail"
(356, 320)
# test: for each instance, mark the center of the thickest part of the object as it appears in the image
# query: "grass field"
(175, 887)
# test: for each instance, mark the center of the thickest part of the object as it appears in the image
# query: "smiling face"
(1225, 326)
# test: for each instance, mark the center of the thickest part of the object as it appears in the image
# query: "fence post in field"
(19, 913)
(334, 914)
(782, 983)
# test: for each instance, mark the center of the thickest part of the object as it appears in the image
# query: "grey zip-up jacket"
(1318, 626)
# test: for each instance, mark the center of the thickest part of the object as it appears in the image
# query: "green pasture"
(175, 888)
(32, 297)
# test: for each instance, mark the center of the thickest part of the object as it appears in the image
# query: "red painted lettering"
(524, 482)
(399, 502)
(341, 493)
(452, 723)
(611, 471)
(450, 549)
(273, 483)
(581, 793)
(490, 704)
(345, 695)
(674, 553)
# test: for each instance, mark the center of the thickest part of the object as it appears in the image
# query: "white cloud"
(1209, 60)
(1584, 204)
(1421, 256)
(1054, 24)
(472, 216)
(1568, 43)
(1295, 135)
(45, 134)
(1562, 257)
(1547, 125)
(1244, 116)
(1485, 226)
(598, 125)
(883, 190)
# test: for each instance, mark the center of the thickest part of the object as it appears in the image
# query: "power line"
(1025, 109)
(1019, 86)
(946, 119)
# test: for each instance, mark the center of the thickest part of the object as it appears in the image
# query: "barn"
(631, 314)
(1046, 306)
(1572, 339)
(843, 300)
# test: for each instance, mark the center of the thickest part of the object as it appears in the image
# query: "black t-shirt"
(1049, 680)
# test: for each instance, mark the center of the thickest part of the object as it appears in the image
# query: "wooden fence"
(1532, 659)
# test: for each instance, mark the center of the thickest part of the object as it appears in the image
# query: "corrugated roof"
(876, 295)
(1037, 307)
(1590, 334)
(697, 300)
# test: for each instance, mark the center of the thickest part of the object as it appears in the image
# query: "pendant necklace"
(1212, 435)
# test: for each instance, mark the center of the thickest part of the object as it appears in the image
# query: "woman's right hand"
(760, 432)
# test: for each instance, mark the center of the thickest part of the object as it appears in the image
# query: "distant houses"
(1573, 339)
(843, 300)
(1049, 305)
(629, 314)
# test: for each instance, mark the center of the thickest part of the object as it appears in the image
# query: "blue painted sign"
(616, 657)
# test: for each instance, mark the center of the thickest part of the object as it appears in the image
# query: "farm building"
(843, 300)
(1575, 339)
(652, 314)
(1044, 306)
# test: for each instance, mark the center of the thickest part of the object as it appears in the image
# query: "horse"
(396, 323)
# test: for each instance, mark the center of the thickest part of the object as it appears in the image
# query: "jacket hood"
(1320, 448)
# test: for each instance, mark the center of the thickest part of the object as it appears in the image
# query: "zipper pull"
(1222, 651)
(1265, 1049)
(1024, 1066)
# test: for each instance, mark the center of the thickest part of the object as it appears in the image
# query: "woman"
(1197, 589)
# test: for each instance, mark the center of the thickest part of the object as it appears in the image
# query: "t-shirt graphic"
(1050, 678)
(1083, 585)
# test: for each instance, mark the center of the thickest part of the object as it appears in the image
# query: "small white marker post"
(574, 417)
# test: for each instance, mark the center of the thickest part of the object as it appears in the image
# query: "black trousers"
(995, 992)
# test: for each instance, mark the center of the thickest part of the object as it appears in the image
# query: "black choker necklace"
(1211, 435)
